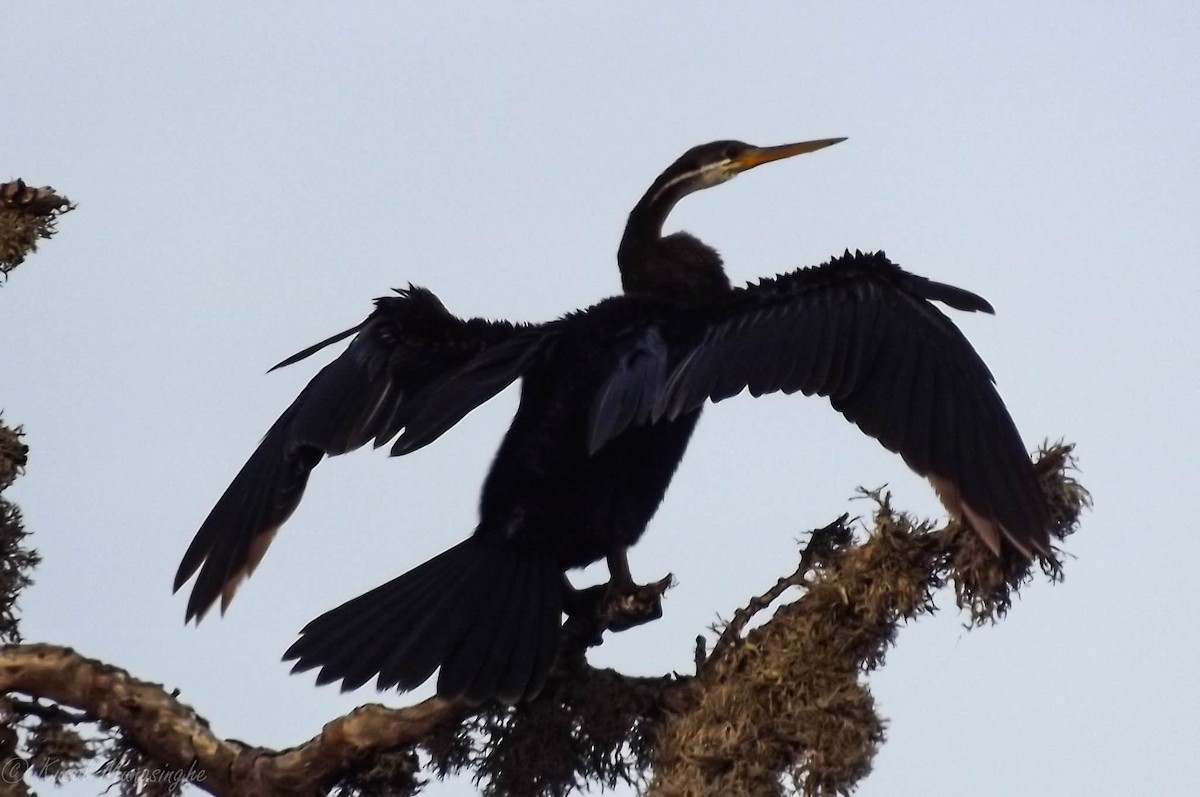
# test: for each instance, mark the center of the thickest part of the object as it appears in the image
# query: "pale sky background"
(249, 177)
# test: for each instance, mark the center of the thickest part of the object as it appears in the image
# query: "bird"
(609, 399)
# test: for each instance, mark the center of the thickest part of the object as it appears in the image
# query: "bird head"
(718, 161)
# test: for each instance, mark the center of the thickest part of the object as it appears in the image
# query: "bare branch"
(822, 544)
(170, 732)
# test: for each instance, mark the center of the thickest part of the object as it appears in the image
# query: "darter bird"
(610, 396)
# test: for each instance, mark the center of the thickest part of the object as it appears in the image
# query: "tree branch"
(172, 733)
(782, 703)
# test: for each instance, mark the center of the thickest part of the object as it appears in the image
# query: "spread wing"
(863, 333)
(411, 366)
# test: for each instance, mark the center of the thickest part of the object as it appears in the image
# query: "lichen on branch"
(27, 215)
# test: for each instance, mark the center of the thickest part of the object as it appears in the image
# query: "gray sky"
(249, 178)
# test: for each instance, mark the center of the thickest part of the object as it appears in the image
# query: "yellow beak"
(756, 156)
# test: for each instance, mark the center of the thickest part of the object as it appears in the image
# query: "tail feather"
(494, 663)
(437, 632)
(472, 671)
(421, 630)
(522, 664)
(544, 632)
(351, 634)
(535, 649)
(488, 615)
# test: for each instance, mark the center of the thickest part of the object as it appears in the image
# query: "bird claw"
(627, 606)
(615, 606)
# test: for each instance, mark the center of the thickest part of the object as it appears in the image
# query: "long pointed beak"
(757, 156)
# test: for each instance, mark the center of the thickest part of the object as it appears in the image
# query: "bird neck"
(674, 266)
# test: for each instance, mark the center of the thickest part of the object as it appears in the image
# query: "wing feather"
(864, 333)
(411, 365)
(630, 394)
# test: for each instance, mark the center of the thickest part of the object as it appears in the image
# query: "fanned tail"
(487, 614)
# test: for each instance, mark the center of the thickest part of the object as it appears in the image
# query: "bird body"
(548, 505)
(610, 397)
(545, 487)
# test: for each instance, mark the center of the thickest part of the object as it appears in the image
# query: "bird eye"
(731, 152)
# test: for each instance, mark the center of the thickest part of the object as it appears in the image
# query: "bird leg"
(627, 603)
(617, 605)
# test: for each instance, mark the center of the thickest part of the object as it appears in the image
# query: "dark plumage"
(610, 396)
